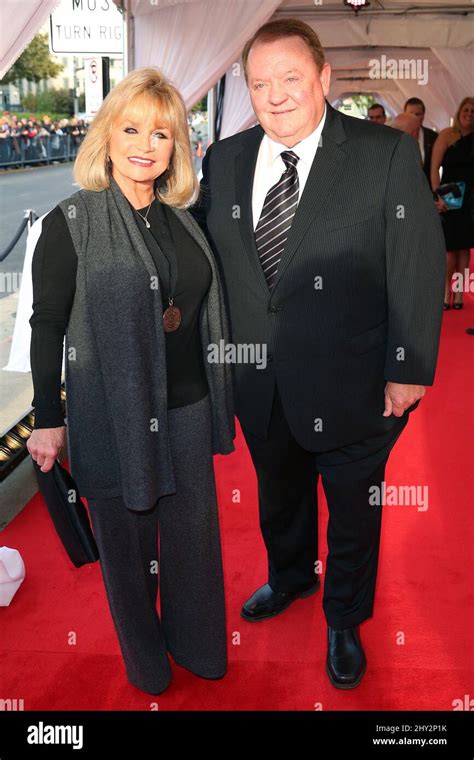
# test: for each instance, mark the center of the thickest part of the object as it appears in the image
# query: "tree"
(363, 102)
(51, 101)
(35, 63)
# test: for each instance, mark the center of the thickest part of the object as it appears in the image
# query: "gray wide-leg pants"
(190, 576)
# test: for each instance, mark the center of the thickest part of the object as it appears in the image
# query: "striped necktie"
(277, 215)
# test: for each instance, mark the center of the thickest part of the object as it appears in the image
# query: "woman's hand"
(45, 444)
(440, 205)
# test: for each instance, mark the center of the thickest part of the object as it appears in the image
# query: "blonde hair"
(179, 186)
(456, 122)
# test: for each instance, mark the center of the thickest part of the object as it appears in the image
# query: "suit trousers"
(179, 537)
(287, 477)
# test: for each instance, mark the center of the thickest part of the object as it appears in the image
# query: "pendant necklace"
(145, 218)
(172, 315)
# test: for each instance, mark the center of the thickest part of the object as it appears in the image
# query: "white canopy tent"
(350, 76)
(196, 42)
(20, 20)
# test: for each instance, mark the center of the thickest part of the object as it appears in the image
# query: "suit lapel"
(325, 169)
(324, 172)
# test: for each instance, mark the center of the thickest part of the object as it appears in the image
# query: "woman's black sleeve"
(54, 285)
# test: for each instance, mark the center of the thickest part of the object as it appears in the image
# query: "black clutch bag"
(68, 513)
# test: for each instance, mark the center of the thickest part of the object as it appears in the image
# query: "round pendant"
(171, 319)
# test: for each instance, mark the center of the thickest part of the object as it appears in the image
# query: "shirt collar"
(305, 149)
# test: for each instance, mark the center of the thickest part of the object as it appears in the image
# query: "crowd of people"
(448, 160)
(39, 140)
(43, 140)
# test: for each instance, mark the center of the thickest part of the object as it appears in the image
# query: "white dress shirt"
(421, 144)
(270, 166)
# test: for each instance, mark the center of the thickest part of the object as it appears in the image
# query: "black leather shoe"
(266, 603)
(346, 662)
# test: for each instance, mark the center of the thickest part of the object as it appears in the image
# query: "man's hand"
(398, 397)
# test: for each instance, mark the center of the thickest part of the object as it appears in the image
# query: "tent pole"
(211, 114)
(128, 39)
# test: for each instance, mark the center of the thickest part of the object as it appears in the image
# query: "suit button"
(273, 309)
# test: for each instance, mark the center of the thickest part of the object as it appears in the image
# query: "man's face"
(418, 112)
(377, 115)
(287, 90)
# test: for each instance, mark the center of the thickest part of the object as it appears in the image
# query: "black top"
(54, 283)
(458, 166)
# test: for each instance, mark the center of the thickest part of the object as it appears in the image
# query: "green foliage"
(52, 102)
(35, 63)
(37, 115)
(363, 102)
(201, 106)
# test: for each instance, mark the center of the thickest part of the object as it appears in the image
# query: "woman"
(454, 151)
(122, 268)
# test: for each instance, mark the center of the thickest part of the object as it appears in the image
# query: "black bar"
(446, 734)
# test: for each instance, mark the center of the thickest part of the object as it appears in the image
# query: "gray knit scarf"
(115, 355)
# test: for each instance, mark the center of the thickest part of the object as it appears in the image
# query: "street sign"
(82, 27)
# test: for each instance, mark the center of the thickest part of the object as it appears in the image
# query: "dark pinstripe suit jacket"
(359, 290)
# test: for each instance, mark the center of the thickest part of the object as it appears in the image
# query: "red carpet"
(58, 649)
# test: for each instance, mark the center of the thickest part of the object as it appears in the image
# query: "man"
(333, 259)
(376, 114)
(425, 137)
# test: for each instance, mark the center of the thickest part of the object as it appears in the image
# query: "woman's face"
(466, 117)
(140, 150)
